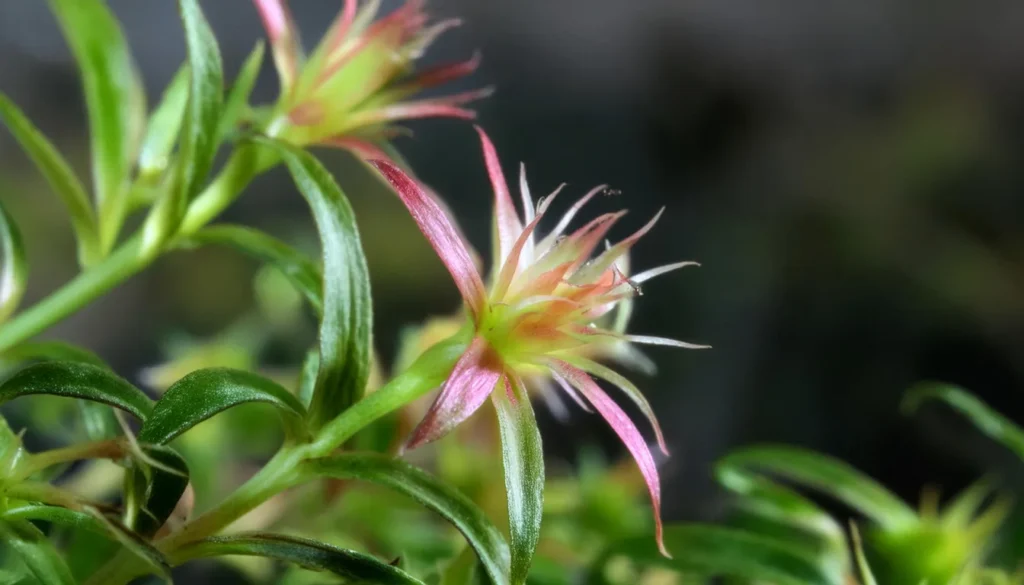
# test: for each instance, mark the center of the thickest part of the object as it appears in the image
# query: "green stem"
(108, 449)
(127, 260)
(82, 290)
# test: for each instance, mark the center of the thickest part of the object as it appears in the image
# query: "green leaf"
(204, 393)
(199, 140)
(137, 545)
(58, 175)
(115, 100)
(238, 98)
(867, 577)
(523, 457)
(52, 351)
(829, 476)
(347, 313)
(57, 515)
(988, 421)
(715, 551)
(300, 271)
(205, 97)
(780, 513)
(13, 265)
(77, 380)
(93, 522)
(165, 125)
(98, 420)
(39, 556)
(153, 492)
(481, 534)
(307, 377)
(351, 565)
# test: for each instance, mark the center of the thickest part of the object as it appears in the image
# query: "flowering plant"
(144, 482)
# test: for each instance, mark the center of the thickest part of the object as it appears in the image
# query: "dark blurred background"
(848, 173)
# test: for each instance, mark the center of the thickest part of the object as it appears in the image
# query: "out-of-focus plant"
(779, 535)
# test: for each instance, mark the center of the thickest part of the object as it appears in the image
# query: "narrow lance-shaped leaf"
(52, 351)
(347, 314)
(481, 534)
(785, 513)
(165, 125)
(988, 421)
(98, 419)
(351, 565)
(205, 98)
(523, 458)
(77, 380)
(715, 551)
(93, 522)
(198, 143)
(115, 101)
(57, 515)
(828, 476)
(136, 545)
(39, 556)
(58, 175)
(204, 393)
(13, 265)
(300, 271)
(238, 98)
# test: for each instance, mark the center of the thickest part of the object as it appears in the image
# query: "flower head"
(539, 320)
(358, 81)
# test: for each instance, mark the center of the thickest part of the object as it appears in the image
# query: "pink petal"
(341, 26)
(567, 387)
(609, 256)
(568, 217)
(364, 149)
(472, 380)
(275, 16)
(443, 107)
(448, 72)
(508, 223)
(284, 38)
(440, 232)
(626, 431)
(511, 265)
(630, 389)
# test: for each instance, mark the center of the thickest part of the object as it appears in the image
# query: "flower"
(356, 84)
(538, 318)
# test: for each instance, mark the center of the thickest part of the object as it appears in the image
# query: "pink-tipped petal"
(650, 340)
(511, 265)
(440, 232)
(339, 30)
(627, 433)
(284, 38)
(472, 380)
(508, 224)
(411, 111)
(364, 149)
(629, 389)
(568, 217)
(571, 392)
(447, 72)
(609, 256)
